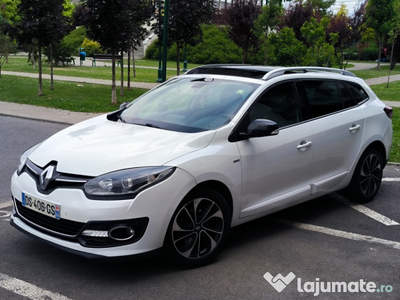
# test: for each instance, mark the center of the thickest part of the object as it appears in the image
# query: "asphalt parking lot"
(328, 248)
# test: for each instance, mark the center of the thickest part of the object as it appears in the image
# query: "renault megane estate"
(214, 148)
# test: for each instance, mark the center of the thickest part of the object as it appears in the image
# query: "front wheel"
(198, 229)
(367, 177)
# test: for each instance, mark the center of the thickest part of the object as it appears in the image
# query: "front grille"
(41, 222)
(57, 180)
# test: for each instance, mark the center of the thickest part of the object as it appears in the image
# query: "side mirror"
(123, 105)
(260, 128)
(113, 116)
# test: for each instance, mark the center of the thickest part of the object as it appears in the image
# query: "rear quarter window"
(357, 92)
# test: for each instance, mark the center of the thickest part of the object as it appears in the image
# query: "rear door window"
(323, 97)
(348, 100)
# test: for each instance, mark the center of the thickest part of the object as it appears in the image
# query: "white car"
(214, 148)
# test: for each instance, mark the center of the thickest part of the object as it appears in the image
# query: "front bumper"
(153, 207)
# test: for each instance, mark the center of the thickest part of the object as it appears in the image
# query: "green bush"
(369, 54)
(73, 41)
(216, 47)
(68, 47)
(286, 49)
(365, 51)
(91, 47)
(152, 51)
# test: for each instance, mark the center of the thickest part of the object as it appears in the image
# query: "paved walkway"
(69, 117)
(142, 85)
(358, 66)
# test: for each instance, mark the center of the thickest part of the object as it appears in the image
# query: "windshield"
(188, 104)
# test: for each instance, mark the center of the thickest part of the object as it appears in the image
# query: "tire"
(198, 229)
(367, 177)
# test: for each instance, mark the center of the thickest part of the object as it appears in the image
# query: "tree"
(379, 17)
(394, 33)
(80, 15)
(241, 19)
(61, 32)
(69, 9)
(42, 23)
(286, 49)
(8, 16)
(321, 7)
(185, 18)
(114, 25)
(268, 20)
(296, 15)
(339, 26)
(9, 10)
(319, 52)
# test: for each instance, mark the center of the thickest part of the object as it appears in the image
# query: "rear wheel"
(198, 229)
(367, 177)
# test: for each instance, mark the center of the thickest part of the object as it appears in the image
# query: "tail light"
(389, 111)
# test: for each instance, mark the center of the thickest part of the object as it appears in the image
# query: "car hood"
(99, 146)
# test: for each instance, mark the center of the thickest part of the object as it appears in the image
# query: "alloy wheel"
(371, 175)
(198, 228)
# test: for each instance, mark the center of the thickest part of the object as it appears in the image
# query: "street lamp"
(159, 79)
(165, 41)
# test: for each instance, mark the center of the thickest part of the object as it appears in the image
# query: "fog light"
(95, 233)
(122, 233)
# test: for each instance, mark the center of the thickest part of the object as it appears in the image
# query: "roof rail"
(290, 70)
(241, 70)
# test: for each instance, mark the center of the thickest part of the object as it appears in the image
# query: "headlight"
(125, 183)
(24, 157)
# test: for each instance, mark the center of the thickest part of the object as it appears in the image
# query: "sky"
(350, 5)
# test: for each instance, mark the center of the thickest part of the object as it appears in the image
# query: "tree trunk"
(391, 59)
(51, 69)
(129, 69)
(33, 60)
(133, 63)
(122, 74)
(113, 89)
(244, 59)
(393, 62)
(380, 54)
(266, 51)
(40, 93)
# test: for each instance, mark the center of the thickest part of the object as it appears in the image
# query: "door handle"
(304, 145)
(354, 128)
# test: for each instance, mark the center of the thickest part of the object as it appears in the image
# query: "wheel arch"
(220, 188)
(378, 145)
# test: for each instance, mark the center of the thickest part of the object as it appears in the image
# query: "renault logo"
(46, 176)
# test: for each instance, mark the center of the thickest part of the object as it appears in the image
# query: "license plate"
(41, 206)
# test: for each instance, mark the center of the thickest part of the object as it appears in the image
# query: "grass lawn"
(395, 152)
(20, 64)
(66, 95)
(389, 94)
(373, 73)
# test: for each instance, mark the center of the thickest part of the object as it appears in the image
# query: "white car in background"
(214, 148)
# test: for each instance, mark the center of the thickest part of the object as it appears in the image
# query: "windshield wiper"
(203, 79)
(151, 125)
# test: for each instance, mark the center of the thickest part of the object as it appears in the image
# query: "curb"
(36, 119)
